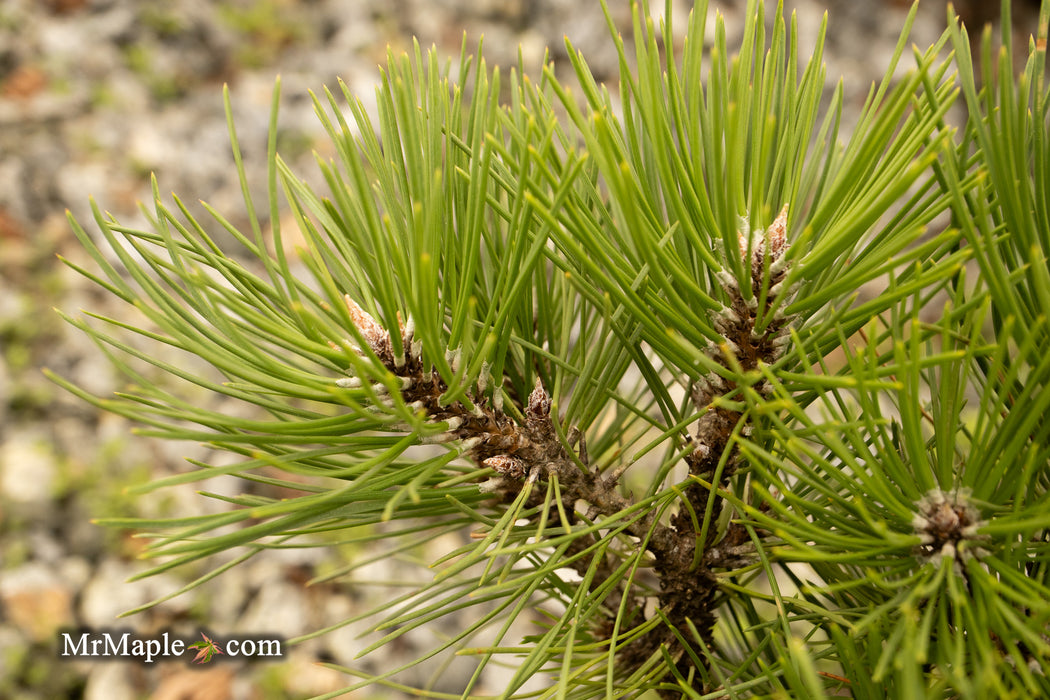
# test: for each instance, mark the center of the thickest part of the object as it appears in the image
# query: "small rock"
(27, 469)
(194, 684)
(279, 609)
(307, 678)
(111, 681)
(37, 601)
(109, 593)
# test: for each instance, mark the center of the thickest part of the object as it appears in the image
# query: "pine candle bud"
(506, 465)
(944, 522)
(773, 240)
(374, 334)
(539, 405)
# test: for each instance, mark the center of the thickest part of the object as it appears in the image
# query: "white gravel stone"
(111, 681)
(27, 468)
(109, 593)
(37, 600)
(278, 608)
(28, 577)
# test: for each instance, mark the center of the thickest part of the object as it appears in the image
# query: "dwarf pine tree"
(626, 343)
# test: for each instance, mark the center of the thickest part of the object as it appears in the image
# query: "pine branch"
(520, 288)
(532, 450)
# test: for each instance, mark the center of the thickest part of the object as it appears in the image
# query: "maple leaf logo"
(205, 649)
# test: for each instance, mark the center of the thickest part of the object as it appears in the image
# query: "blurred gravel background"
(94, 96)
